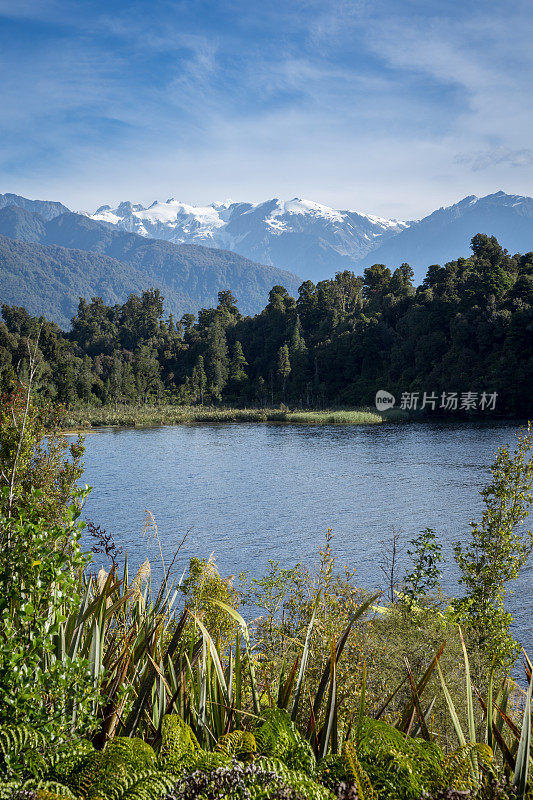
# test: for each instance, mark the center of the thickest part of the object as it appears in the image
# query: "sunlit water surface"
(252, 492)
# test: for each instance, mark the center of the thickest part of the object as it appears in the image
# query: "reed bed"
(147, 416)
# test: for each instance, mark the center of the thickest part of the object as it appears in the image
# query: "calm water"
(251, 492)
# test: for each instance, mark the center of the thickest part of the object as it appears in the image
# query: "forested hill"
(50, 280)
(467, 328)
(189, 276)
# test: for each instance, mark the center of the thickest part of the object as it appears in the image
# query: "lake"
(252, 492)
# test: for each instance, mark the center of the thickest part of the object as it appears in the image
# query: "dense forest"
(46, 265)
(467, 328)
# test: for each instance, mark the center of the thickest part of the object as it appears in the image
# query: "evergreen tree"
(216, 358)
(299, 360)
(238, 362)
(115, 380)
(227, 306)
(261, 390)
(284, 366)
(187, 321)
(146, 370)
(199, 380)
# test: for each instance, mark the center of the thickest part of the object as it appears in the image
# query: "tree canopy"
(467, 328)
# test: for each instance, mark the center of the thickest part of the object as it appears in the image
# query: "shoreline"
(82, 420)
(85, 420)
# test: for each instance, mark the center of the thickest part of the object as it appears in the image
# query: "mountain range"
(48, 264)
(50, 256)
(316, 241)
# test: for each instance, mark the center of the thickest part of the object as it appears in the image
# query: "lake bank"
(155, 416)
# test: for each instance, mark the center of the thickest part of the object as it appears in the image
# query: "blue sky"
(392, 108)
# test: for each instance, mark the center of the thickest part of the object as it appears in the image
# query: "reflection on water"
(251, 492)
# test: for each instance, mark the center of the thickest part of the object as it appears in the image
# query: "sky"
(393, 108)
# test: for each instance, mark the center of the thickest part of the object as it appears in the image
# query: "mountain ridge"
(188, 276)
(442, 235)
(317, 241)
(312, 239)
(309, 235)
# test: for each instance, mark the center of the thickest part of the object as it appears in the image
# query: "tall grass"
(147, 416)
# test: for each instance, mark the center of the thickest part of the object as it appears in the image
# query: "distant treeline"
(467, 328)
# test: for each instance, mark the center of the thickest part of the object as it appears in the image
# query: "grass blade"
(340, 647)
(453, 713)
(246, 635)
(470, 711)
(332, 702)
(215, 658)
(286, 688)
(522, 757)
(305, 658)
(362, 701)
(407, 715)
(416, 701)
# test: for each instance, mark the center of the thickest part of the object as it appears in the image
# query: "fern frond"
(331, 771)
(238, 744)
(21, 743)
(151, 786)
(52, 790)
(456, 766)
(399, 767)
(299, 781)
(356, 773)
(177, 742)
(279, 737)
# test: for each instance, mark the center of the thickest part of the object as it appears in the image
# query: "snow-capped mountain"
(445, 234)
(311, 238)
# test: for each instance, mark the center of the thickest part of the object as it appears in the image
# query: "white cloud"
(484, 159)
(356, 104)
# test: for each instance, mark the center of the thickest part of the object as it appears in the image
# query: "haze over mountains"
(316, 241)
(52, 255)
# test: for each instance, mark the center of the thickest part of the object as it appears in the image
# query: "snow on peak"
(299, 206)
(251, 228)
(383, 222)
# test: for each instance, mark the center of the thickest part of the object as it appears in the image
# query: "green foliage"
(426, 556)
(178, 743)
(466, 329)
(40, 566)
(345, 769)
(498, 548)
(278, 737)
(34, 457)
(241, 745)
(20, 744)
(238, 364)
(355, 773)
(296, 779)
(201, 587)
(398, 767)
(457, 766)
(121, 767)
